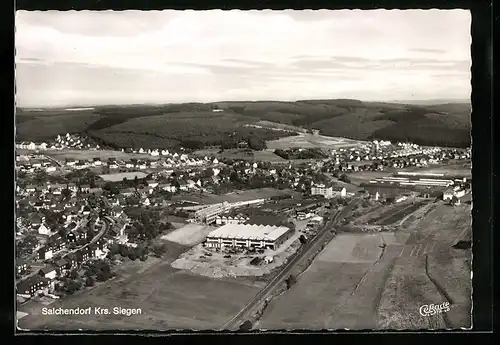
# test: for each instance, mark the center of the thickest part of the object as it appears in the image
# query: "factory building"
(209, 214)
(385, 190)
(245, 235)
(328, 191)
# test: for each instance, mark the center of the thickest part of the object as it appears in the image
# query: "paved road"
(53, 160)
(304, 252)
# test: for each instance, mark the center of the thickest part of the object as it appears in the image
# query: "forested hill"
(208, 124)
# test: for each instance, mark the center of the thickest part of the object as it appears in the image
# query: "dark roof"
(264, 220)
(27, 283)
(47, 269)
(61, 262)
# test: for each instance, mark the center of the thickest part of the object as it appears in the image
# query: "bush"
(290, 281)
(159, 250)
(246, 326)
(89, 281)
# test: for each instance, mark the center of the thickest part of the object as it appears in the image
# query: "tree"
(66, 194)
(344, 178)
(246, 326)
(256, 143)
(159, 250)
(72, 287)
(290, 281)
(73, 274)
(124, 251)
(89, 281)
(132, 255)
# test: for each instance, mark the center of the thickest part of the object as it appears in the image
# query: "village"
(78, 219)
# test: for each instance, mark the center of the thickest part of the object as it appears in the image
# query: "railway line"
(304, 252)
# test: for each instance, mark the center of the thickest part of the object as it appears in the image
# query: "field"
(307, 141)
(349, 286)
(120, 176)
(396, 213)
(90, 154)
(325, 286)
(195, 124)
(241, 154)
(247, 195)
(189, 234)
(168, 299)
(447, 169)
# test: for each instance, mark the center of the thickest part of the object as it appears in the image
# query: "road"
(304, 252)
(53, 161)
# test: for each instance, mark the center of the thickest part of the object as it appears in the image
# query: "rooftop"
(249, 232)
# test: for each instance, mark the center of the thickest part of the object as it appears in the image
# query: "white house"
(43, 230)
(448, 194)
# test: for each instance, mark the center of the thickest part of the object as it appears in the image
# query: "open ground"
(312, 141)
(168, 298)
(358, 283)
(90, 154)
(189, 234)
(247, 195)
(265, 156)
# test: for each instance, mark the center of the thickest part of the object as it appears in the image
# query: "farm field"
(398, 213)
(354, 283)
(90, 154)
(265, 156)
(168, 299)
(311, 141)
(459, 168)
(325, 286)
(247, 195)
(118, 177)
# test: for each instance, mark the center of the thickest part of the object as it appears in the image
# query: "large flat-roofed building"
(328, 191)
(209, 214)
(244, 235)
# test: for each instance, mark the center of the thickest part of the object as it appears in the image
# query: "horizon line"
(71, 106)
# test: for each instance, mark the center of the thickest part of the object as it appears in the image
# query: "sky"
(154, 57)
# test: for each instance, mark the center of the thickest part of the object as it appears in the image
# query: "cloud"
(210, 55)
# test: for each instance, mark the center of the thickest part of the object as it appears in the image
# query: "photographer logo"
(433, 309)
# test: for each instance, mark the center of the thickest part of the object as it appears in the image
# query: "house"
(43, 230)
(448, 194)
(21, 266)
(86, 210)
(85, 188)
(88, 253)
(36, 219)
(48, 272)
(31, 285)
(127, 191)
(73, 187)
(45, 253)
(152, 183)
(96, 161)
(62, 266)
(56, 243)
(183, 185)
(30, 188)
(339, 191)
(116, 211)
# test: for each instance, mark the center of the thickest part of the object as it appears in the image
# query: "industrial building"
(328, 191)
(244, 235)
(209, 214)
(386, 190)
